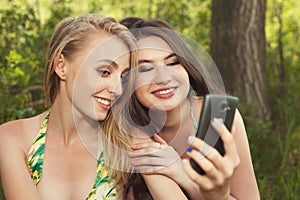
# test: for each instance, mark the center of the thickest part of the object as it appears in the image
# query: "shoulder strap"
(35, 155)
(103, 187)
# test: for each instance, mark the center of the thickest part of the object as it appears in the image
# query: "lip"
(104, 103)
(165, 92)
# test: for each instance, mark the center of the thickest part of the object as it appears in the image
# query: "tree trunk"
(238, 49)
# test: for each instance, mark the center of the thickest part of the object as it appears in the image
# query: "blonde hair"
(69, 39)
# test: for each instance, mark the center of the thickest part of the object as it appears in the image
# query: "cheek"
(184, 77)
(141, 94)
(145, 78)
(87, 82)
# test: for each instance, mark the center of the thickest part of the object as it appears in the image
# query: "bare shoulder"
(238, 126)
(238, 119)
(16, 138)
(21, 131)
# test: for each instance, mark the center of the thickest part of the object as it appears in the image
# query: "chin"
(168, 106)
(99, 116)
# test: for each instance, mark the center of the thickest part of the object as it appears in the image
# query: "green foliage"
(275, 145)
(20, 62)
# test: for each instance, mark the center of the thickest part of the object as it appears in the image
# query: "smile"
(102, 101)
(166, 91)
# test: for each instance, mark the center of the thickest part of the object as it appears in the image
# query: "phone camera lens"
(224, 106)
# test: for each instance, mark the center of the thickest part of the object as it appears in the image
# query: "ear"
(60, 67)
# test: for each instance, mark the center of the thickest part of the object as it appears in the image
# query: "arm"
(226, 177)
(16, 180)
(163, 188)
(157, 183)
(243, 184)
(176, 172)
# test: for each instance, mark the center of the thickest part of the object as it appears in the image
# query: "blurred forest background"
(255, 44)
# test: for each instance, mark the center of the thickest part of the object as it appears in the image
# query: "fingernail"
(190, 139)
(218, 120)
(189, 149)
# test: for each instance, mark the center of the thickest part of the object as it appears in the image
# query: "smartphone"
(214, 106)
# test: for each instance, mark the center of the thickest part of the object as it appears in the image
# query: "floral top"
(102, 189)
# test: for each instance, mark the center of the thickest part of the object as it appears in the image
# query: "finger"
(201, 146)
(144, 145)
(219, 126)
(195, 143)
(150, 152)
(208, 166)
(231, 158)
(158, 139)
(222, 164)
(227, 138)
(148, 161)
(201, 180)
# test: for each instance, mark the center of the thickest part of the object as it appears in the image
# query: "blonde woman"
(54, 155)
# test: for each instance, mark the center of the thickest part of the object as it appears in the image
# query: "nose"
(116, 87)
(162, 75)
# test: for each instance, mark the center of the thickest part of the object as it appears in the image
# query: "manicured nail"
(189, 149)
(190, 139)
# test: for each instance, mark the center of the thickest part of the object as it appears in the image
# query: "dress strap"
(103, 187)
(195, 124)
(35, 155)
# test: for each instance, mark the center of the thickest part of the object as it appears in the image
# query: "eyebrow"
(150, 61)
(170, 56)
(109, 62)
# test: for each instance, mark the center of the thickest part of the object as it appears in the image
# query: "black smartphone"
(214, 106)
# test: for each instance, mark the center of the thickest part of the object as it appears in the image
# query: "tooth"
(165, 91)
(105, 102)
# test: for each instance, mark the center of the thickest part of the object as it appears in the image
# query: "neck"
(70, 127)
(176, 120)
(179, 125)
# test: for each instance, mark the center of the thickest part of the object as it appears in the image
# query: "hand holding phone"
(214, 106)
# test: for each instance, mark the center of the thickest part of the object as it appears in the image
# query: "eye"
(103, 72)
(125, 76)
(145, 68)
(172, 63)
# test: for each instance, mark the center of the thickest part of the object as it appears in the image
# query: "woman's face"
(162, 82)
(96, 75)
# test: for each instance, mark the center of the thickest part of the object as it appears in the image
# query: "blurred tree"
(238, 49)
(283, 33)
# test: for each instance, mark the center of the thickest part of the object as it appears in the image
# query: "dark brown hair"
(201, 84)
